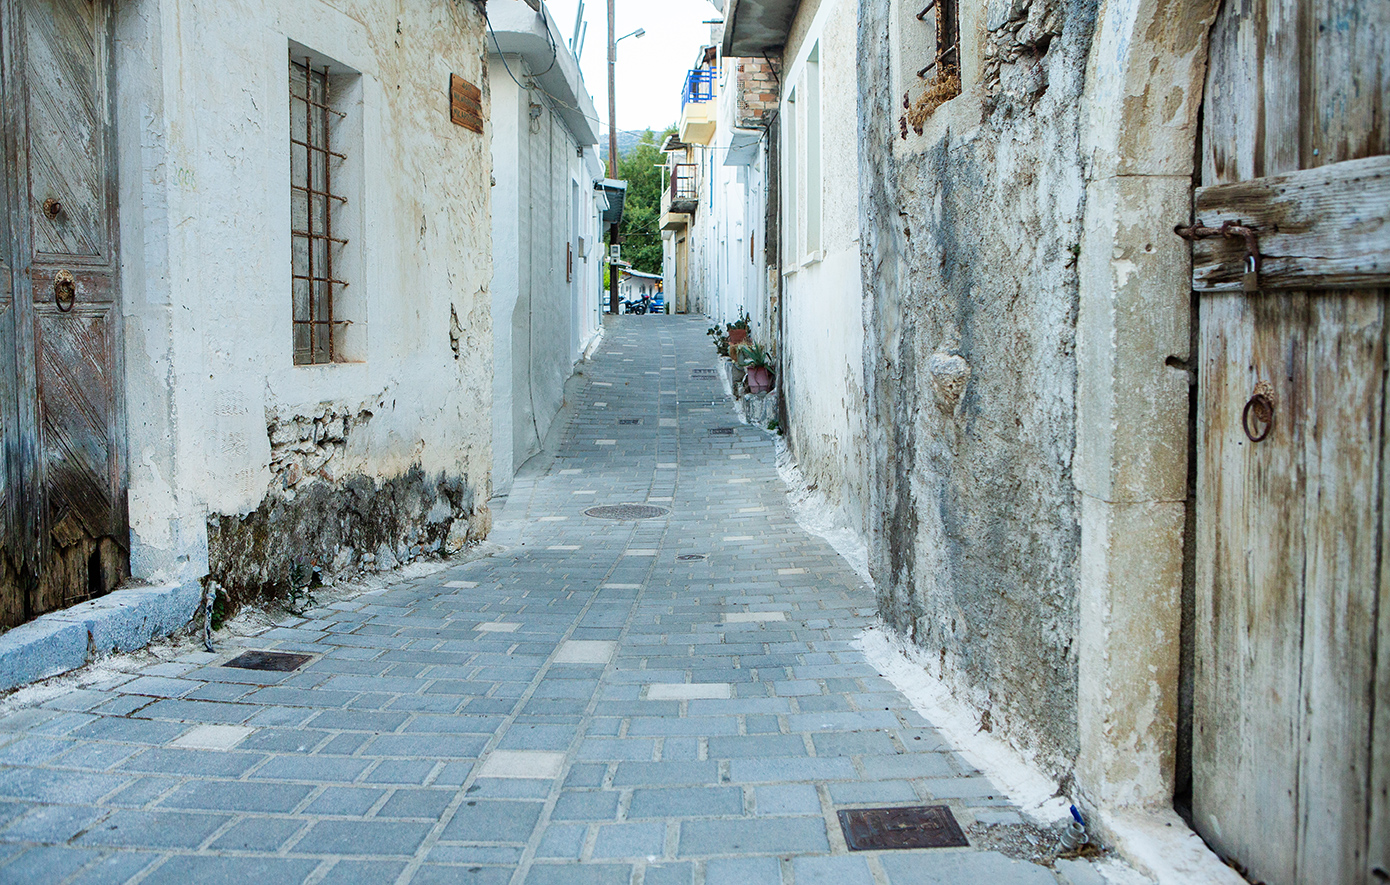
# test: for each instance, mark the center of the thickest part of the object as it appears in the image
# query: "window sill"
(813, 258)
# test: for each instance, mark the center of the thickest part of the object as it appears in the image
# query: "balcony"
(698, 107)
(681, 197)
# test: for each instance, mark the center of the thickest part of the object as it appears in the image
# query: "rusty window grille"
(947, 35)
(312, 204)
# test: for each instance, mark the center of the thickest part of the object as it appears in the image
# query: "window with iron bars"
(315, 249)
(940, 77)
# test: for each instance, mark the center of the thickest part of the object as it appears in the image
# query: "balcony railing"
(699, 86)
(683, 183)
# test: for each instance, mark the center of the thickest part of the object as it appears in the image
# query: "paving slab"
(585, 707)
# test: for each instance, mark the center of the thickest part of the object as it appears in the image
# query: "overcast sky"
(651, 69)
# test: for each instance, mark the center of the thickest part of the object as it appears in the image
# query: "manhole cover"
(280, 661)
(629, 420)
(721, 431)
(919, 826)
(626, 511)
(691, 557)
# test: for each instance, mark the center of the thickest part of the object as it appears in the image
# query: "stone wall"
(242, 462)
(971, 233)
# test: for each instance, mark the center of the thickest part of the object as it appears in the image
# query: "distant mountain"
(626, 139)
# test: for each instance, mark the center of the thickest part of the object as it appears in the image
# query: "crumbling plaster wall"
(241, 462)
(822, 296)
(972, 231)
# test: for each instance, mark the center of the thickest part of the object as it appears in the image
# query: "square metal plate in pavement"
(918, 826)
(279, 661)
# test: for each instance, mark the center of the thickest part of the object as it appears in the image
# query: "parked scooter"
(637, 305)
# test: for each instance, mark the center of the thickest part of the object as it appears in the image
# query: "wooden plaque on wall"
(465, 104)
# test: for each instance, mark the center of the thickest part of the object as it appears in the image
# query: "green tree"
(640, 167)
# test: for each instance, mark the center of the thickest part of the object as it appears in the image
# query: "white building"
(546, 227)
(634, 285)
(249, 295)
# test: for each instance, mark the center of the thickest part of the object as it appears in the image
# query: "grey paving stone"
(872, 792)
(265, 834)
(237, 796)
(586, 805)
(720, 837)
(630, 840)
(961, 868)
(743, 871)
(493, 821)
(153, 829)
(491, 855)
(208, 763)
(51, 823)
(669, 874)
(345, 801)
(74, 788)
(114, 869)
(764, 770)
(631, 774)
(438, 874)
(370, 837)
(417, 803)
(908, 765)
(29, 750)
(782, 799)
(222, 870)
(43, 863)
(313, 769)
(562, 841)
(686, 802)
(831, 871)
(400, 771)
(362, 872)
(585, 874)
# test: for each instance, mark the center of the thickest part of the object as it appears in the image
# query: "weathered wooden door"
(62, 497)
(1291, 742)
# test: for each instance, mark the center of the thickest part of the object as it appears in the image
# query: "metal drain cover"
(280, 661)
(629, 420)
(691, 557)
(918, 826)
(626, 511)
(702, 373)
(721, 431)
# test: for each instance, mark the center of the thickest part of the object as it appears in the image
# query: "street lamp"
(613, 133)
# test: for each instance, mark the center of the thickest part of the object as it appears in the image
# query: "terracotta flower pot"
(737, 336)
(759, 379)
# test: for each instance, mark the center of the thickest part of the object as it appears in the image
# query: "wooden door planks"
(1291, 754)
(1321, 228)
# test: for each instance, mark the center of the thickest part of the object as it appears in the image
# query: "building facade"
(547, 279)
(247, 284)
(1060, 404)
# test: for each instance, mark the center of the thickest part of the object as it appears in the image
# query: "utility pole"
(613, 233)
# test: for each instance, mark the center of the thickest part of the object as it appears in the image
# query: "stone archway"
(1144, 86)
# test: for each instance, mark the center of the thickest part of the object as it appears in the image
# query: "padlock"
(1250, 281)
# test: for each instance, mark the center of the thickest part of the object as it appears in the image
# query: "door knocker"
(64, 290)
(1258, 417)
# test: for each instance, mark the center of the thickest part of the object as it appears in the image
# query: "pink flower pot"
(759, 379)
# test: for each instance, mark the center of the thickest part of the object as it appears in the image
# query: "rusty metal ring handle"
(64, 291)
(1262, 408)
(52, 208)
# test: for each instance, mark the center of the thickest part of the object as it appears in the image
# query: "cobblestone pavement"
(669, 700)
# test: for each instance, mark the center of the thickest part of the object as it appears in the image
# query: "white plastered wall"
(822, 290)
(203, 130)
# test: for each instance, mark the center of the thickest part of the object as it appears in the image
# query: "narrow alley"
(669, 699)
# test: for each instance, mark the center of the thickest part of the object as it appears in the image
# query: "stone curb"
(124, 620)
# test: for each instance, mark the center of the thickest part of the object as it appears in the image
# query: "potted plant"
(738, 335)
(758, 364)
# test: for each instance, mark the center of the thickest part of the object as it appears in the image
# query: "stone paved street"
(671, 700)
